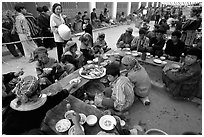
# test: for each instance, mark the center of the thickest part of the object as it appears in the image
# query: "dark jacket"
(157, 47)
(68, 58)
(175, 50)
(183, 83)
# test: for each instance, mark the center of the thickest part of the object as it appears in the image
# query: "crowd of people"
(127, 79)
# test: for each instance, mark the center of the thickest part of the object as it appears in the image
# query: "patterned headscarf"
(27, 88)
(132, 61)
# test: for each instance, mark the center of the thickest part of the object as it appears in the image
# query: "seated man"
(138, 76)
(121, 96)
(48, 69)
(125, 39)
(183, 82)
(141, 42)
(70, 56)
(157, 43)
(174, 47)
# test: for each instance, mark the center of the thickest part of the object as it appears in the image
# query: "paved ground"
(174, 117)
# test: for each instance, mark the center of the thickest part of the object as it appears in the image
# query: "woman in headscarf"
(29, 108)
(120, 96)
(70, 56)
(138, 76)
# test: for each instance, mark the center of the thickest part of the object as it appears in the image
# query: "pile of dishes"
(66, 124)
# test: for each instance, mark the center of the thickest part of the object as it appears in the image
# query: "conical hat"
(64, 32)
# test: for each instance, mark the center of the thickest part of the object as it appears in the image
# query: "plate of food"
(92, 71)
(107, 122)
(75, 80)
(72, 130)
(63, 125)
(158, 61)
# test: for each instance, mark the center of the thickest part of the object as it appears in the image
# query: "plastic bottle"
(143, 57)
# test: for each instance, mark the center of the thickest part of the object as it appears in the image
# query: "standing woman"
(56, 20)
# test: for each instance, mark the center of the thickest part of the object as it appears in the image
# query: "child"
(183, 82)
(101, 41)
(121, 96)
(97, 51)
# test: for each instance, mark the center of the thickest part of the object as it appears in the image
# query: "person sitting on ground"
(121, 95)
(174, 47)
(145, 26)
(151, 34)
(87, 27)
(157, 43)
(48, 69)
(70, 55)
(182, 82)
(29, 108)
(101, 41)
(97, 51)
(122, 18)
(9, 81)
(138, 76)
(125, 39)
(141, 42)
(164, 26)
(86, 46)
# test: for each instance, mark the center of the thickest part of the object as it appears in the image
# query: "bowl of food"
(62, 125)
(67, 114)
(91, 120)
(82, 118)
(72, 130)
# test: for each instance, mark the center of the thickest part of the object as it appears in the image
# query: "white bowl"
(64, 32)
(72, 130)
(91, 120)
(162, 58)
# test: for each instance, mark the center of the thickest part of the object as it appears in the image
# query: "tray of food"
(92, 71)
